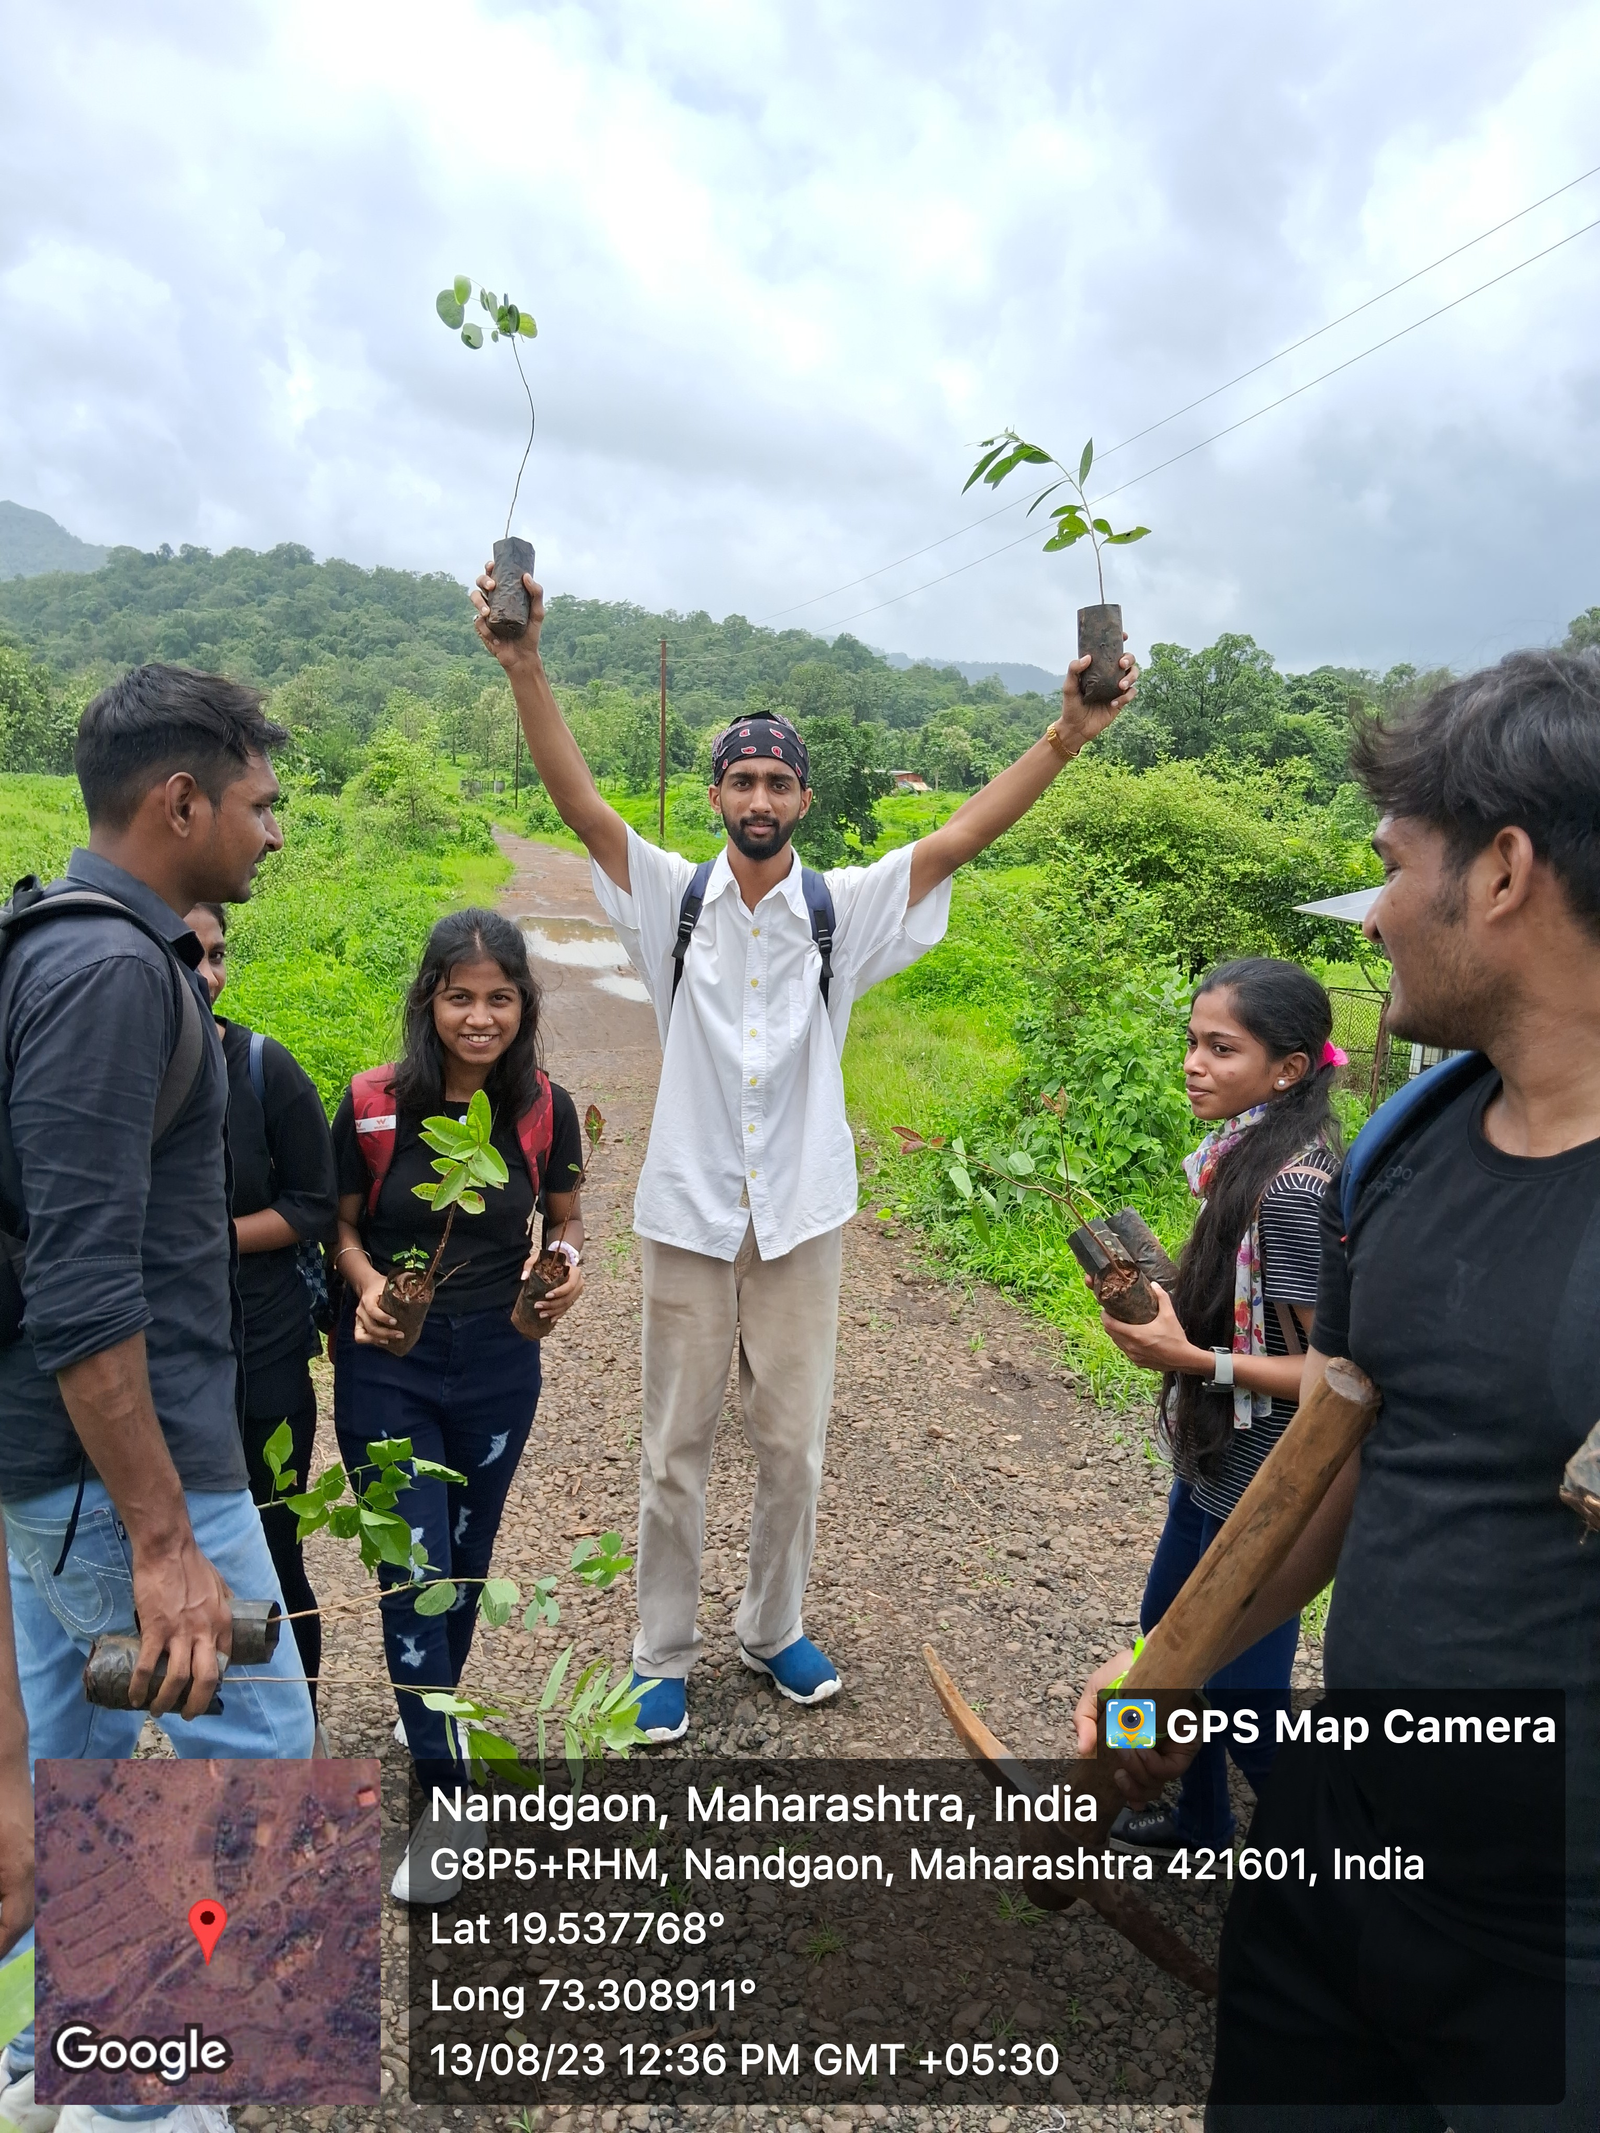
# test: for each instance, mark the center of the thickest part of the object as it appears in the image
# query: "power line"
(1322, 378)
(1343, 318)
(1266, 362)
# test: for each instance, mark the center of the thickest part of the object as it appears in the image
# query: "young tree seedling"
(598, 1714)
(1099, 628)
(468, 1165)
(509, 609)
(510, 323)
(1074, 521)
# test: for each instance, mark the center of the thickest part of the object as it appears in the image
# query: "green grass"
(41, 819)
(321, 955)
(936, 1049)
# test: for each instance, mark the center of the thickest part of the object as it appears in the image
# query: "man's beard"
(1454, 1007)
(758, 848)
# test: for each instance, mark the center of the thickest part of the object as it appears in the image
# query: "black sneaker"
(1145, 1829)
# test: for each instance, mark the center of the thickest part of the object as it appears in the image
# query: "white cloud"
(788, 262)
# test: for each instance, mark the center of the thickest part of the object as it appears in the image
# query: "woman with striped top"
(1258, 1064)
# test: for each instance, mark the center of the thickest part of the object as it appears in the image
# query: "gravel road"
(970, 1500)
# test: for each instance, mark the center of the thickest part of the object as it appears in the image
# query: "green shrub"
(1226, 859)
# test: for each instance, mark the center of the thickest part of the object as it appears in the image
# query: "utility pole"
(661, 811)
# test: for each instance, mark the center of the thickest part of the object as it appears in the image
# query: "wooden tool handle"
(1188, 1644)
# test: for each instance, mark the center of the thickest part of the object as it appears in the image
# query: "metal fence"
(1361, 1027)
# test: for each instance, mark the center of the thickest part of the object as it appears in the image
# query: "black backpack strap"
(819, 903)
(183, 1068)
(1398, 1118)
(688, 918)
(29, 906)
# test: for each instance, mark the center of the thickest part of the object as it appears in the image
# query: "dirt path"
(969, 1499)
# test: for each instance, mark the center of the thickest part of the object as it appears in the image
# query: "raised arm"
(1004, 801)
(556, 755)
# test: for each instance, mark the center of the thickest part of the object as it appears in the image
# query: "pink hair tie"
(1332, 1056)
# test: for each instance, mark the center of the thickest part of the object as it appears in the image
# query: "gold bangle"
(1054, 736)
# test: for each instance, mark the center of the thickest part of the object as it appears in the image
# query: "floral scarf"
(1249, 1304)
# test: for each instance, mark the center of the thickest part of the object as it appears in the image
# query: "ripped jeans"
(465, 1396)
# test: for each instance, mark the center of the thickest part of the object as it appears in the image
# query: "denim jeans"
(266, 1710)
(465, 1396)
(1257, 1680)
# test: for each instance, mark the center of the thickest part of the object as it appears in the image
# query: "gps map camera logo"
(1130, 1722)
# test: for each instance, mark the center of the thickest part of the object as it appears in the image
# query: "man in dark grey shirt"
(122, 1238)
(121, 1466)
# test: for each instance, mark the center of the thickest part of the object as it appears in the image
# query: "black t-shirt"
(283, 1160)
(482, 1266)
(1470, 1293)
(1289, 1227)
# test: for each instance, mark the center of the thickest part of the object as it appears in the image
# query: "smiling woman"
(465, 1123)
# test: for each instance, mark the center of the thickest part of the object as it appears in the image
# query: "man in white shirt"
(750, 1174)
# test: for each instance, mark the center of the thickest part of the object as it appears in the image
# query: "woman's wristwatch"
(1223, 1373)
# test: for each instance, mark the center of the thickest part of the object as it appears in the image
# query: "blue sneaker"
(663, 1710)
(800, 1671)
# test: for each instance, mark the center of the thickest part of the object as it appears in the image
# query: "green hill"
(30, 543)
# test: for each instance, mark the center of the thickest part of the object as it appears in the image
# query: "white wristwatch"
(1223, 1374)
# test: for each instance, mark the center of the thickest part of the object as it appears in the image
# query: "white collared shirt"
(750, 1121)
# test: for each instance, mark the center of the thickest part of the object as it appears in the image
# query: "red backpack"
(372, 1093)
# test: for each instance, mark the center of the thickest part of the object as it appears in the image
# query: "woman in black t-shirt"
(1259, 1065)
(465, 1394)
(284, 1195)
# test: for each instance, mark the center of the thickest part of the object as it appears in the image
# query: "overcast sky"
(788, 263)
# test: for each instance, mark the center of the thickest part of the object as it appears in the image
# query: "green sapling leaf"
(389, 1451)
(1085, 463)
(463, 287)
(473, 336)
(554, 1679)
(276, 1449)
(1120, 540)
(449, 307)
(527, 328)
(495, 1602)
(436, 1599)
(431, 1470)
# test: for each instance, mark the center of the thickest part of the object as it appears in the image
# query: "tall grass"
(321, 955)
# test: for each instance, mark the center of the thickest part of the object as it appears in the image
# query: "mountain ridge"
(32, 543)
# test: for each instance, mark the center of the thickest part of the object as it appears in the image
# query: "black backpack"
(819, 902)
(29, 906)
(308, 1253)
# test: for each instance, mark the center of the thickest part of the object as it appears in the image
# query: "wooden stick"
(1187, 1645)
(1118, 1906)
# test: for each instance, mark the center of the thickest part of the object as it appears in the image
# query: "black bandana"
(771, 737)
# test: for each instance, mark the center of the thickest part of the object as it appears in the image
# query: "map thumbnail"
(287, 1851)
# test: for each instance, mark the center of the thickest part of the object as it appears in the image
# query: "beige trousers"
(783, 1314)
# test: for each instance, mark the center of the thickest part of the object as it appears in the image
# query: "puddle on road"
(585, 944)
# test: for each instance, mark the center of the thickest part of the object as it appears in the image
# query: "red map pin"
(207, 1919)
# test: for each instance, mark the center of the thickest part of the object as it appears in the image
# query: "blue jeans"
(465, 1396)
(1258, 1680)
(266, 1709)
